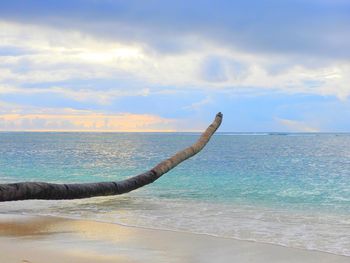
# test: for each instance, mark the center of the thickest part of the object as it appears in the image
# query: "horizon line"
(173, 131)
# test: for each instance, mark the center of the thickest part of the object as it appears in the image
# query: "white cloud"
(58, 55)
(82, 94)
(199, 104)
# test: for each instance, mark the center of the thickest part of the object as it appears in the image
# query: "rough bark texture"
(40, 190)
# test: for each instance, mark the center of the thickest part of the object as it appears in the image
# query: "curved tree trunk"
(40, 190)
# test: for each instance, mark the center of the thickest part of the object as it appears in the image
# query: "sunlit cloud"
(297, 126)
(73, 120)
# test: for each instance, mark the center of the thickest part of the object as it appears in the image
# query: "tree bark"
(49, 191)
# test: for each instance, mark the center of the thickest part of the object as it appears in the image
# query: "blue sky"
(171, 65)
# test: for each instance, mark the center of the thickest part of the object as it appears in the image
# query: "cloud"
(192, 58)
(69, 60)
(263, 26)
(213, 70)
(78, 94)
(196, 106)
(297, 126)
(74, 120)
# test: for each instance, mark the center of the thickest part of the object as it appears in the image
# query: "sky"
(157, 65)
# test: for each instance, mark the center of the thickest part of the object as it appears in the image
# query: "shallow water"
(288, 189)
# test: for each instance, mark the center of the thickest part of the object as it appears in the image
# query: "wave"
(298, 229)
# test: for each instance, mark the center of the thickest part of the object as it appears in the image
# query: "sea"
(288, 189)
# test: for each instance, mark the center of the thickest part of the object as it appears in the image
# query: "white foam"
(298, 229)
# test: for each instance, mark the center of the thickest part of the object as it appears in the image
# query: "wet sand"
(37, 239)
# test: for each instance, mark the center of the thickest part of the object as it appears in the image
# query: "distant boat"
(279, 133)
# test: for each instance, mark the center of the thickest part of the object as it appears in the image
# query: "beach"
(39, 239)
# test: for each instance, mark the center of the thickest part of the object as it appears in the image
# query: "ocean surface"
(286, 189)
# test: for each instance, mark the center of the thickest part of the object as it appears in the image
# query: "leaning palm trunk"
(40, 190)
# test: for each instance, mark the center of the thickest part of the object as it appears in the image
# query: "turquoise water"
(287, 189)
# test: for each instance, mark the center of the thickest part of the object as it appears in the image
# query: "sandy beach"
(49, 239)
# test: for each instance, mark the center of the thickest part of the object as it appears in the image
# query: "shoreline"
(170, 230)
(27, 238)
